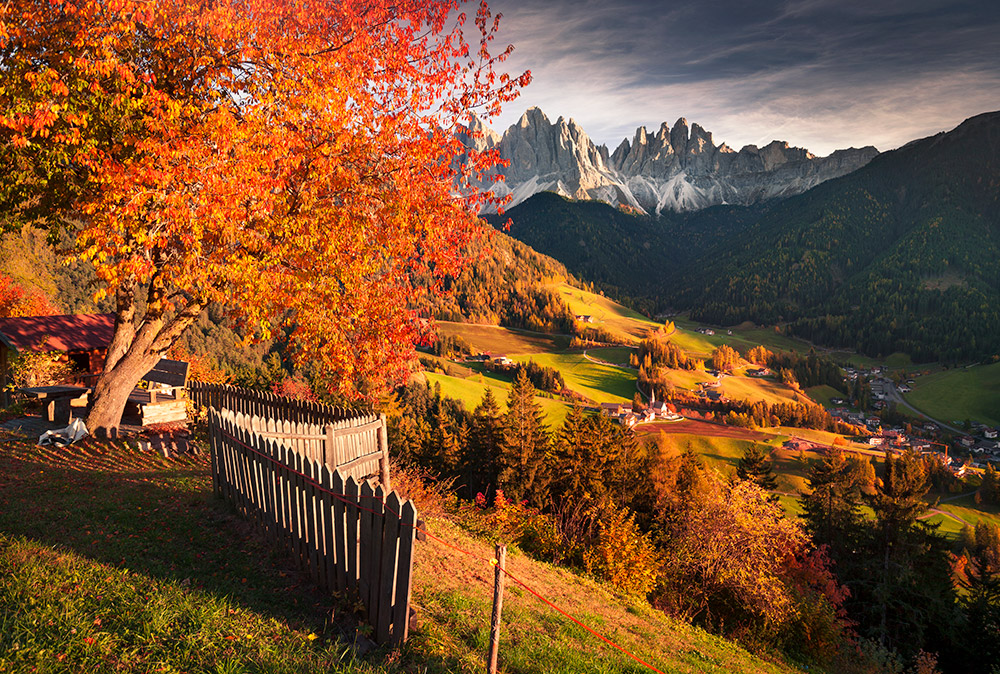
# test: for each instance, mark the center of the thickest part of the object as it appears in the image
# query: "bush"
(621, 554)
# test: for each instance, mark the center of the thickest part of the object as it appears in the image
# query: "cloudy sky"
(821, 74)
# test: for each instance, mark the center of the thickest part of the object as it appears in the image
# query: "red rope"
(567, 615)
(346, 499)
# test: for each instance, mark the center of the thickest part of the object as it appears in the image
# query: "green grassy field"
(613, 354)
(117, 561)
(960, 393)
(753, 389)
(744, 337)
(471, 391)
(505, 341)
(823, 394)
(600, 383)
(967, 509)
(607, 313)
(687, 380)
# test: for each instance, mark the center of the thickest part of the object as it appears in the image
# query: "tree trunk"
(112, 392)
(137, 345)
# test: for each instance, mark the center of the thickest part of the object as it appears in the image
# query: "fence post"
(383, 462)
(329, 453)
(501, 565)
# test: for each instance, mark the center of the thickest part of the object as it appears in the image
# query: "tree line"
(654, 521)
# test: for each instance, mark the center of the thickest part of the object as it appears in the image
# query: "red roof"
(77, 332)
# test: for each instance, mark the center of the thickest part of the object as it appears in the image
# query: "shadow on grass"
(165, 523)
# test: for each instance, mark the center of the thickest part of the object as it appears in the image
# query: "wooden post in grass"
(501, 564)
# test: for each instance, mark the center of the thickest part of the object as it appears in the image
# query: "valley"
(602, 374)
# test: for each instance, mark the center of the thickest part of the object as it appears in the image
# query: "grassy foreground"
(112, 560)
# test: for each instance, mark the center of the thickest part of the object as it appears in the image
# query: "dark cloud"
(819, 73)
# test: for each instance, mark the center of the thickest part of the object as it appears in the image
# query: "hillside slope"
(897, 256)
(116, 559)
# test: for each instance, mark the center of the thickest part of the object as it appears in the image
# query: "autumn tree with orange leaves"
(295, 160)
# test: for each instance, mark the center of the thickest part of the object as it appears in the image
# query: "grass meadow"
(113, 560)
(959, 393)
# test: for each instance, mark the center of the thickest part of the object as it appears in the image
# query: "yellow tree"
(297, 160)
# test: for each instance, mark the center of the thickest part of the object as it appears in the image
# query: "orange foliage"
(16, 301)
(294, 388)
(294, 160)
(201, 368)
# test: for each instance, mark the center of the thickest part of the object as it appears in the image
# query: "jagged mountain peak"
(676, 168)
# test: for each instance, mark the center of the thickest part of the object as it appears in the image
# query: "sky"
(820, 74)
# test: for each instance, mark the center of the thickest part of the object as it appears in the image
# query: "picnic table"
(61, 400)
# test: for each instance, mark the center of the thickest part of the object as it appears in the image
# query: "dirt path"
(931, 512)
(703, 428)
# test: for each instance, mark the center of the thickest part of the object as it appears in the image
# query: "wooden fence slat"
(385, 590)
(375, 563)
(383, 445)
(266, 467)
(351, 489)
(329, 554)
(294, 508)
(301, 514)
(365, 544)
(340, 531)
(238, 461)
(404, 572)
(213, 444)
(287, 498)
(313, 516)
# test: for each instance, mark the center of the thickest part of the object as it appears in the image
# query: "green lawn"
(116, 561)
(606, 313)
(471, 391)
(600, 383)
(745, 336)
(960, 393)
(613, 354)
(503, 341)
(751, 388)
(823, 394)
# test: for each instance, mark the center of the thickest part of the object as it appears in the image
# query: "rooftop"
(76, 332)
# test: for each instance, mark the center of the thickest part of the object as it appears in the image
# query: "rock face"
(677, 168)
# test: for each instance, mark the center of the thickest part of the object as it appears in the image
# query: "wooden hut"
(82, 339)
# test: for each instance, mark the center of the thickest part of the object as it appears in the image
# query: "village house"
(78, 340)
(616, 409)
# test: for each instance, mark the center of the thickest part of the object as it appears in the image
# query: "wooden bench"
(60, 400)
(161, 396)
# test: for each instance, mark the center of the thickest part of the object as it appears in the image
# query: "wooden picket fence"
(350, 537)
(266, 404)
(352, 442)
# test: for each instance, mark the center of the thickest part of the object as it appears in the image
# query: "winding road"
(895, 396)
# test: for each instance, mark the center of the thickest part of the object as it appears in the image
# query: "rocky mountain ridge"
(676, 168)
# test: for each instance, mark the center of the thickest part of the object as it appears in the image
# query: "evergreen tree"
(981, 600)
(587, 457)
(481, 458)
(907, 600)
(832, 509)
(989, 490)
(526, 443)
(756, 467)
(442, 450)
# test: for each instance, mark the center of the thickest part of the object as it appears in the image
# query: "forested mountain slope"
(900, 255)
